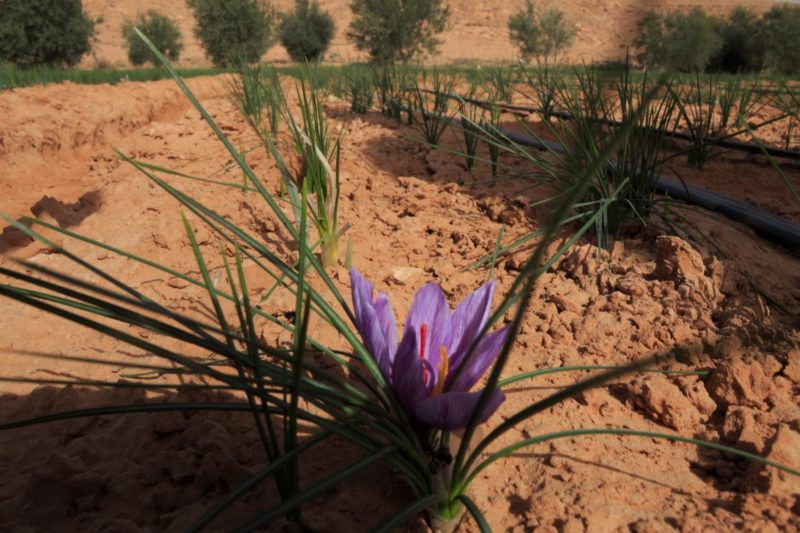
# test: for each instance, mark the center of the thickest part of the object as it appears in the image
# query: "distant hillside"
(477, 29)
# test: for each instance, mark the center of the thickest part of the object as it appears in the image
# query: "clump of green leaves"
(397, 30)
(780, 37)
(622, 139)
(360, 89)
(306, 32)
(540, 34)
(258, 97)
(161, 31)
(492, 143)
(739, 98)
(788, 102)
(44, 32)
(742, 47)
(501, 80)
(311, 180)
(315, 148)
(391, 82)
(707, 106)
(234, 30)
(545, 81)
(432, 104)
(740, 42)
(681, 42)
(471, 117)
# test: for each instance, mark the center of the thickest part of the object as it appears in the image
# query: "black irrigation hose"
(722, 143)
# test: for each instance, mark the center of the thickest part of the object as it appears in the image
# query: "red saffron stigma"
(423, 334)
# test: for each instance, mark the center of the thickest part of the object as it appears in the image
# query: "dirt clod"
(735, 382)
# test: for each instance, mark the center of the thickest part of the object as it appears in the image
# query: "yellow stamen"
(441, 374)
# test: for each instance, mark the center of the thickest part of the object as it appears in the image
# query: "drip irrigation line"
(714, 141)
(766, 224)
(769, 225)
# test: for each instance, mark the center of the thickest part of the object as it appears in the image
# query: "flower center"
(441, 371)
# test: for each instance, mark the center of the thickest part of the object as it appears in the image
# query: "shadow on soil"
(54, 211)
(163, 471)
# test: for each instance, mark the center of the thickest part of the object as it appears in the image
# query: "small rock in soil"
(743, 430)
(783, 448)
(663, 401)
(735, 382)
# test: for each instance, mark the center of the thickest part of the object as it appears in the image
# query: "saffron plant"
(429, 371)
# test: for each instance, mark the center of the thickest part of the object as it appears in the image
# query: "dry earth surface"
(477, 29)
(417, 217)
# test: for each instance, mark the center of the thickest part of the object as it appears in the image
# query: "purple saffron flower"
(433, 348)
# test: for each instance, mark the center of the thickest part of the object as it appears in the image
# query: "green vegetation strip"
(12, 77)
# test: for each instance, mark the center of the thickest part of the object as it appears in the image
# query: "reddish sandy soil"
(476, 31)
(417, 217)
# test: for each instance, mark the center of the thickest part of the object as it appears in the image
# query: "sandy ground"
(419, 210)
(477, 29)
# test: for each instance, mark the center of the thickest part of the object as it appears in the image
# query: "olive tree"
(397, 30)
(232, 31)
(44, 32)
(540, 34)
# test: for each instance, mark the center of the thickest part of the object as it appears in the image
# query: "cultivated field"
(195, 263)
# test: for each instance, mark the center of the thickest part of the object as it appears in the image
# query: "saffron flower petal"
(480, 361)
(430, 308)
(407, 372)
(388, 326)
(469, 318)
(452, 410)
(375, 322)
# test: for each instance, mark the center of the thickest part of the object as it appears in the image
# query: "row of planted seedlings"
(788, 103)
(713, 108)
(387, 86)
(694, 120)
(627, 120)
(580, 111)
(400, 398)
(710, 109)
(582, 108)
(432, 102)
